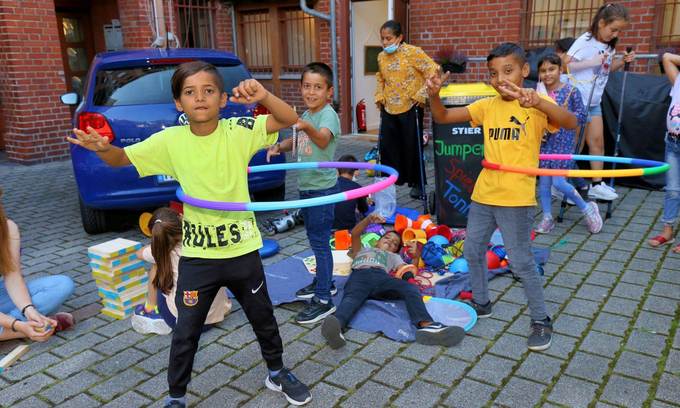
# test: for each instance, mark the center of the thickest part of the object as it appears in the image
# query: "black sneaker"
(541, 335)
(483, 311)
(315, 311)
(331, 330)
(308, 291)
(296, 392)
(436, 334)
(174, 404)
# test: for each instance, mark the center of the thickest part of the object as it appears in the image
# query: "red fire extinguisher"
(361, 116)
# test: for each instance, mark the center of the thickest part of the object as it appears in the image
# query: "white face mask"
(355, 178)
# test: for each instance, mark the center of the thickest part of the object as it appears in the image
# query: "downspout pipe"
(234, 40)
(334, 43)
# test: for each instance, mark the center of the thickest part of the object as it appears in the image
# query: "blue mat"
(285, 277)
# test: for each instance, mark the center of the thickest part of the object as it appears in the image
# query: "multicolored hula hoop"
(649, 167)
(309, 202)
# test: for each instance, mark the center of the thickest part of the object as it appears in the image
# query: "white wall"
(367, 17)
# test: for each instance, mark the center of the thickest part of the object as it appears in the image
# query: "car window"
(149, 85)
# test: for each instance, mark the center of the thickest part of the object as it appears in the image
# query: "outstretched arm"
(373, 218)
(93, 141)
(251, 91)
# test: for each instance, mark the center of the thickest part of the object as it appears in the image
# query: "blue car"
(127, 97)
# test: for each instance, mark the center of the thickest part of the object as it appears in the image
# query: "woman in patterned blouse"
(401, 96)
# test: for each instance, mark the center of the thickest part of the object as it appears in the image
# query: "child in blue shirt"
(347, 213)
(318, 128)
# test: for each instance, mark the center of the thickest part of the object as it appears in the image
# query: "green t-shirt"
(211, 167)
(308, 151)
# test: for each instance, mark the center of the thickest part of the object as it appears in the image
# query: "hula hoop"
(649, 167)
(308, 202)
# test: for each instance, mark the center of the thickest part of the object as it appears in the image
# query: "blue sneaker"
(146, 322)
(285, 382)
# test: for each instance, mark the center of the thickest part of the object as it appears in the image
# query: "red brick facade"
(31, 81)
(34, 122)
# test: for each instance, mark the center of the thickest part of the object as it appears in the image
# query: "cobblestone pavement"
(614, 302)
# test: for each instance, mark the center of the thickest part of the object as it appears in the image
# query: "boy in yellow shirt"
(514, 123)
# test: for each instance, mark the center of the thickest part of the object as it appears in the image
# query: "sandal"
(676, 249)
(660, 240)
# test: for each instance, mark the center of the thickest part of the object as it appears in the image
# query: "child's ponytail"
(6, 261)
(609, 12)
(166, 233)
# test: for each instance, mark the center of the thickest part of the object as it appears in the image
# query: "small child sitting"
(159, 314)
(370, 279)
(347, 213)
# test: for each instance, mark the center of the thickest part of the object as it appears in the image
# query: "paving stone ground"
(614, 302)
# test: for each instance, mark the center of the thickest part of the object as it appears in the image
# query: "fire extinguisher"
(361, 116)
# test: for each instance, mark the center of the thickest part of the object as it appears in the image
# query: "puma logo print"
(258, 288)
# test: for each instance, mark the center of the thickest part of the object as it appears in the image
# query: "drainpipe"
(234, 40)
(390, 9)
(334, 46)
(159, 13)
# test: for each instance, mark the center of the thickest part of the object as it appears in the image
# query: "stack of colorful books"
(120, 276)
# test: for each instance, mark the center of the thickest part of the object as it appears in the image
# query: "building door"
(366, 18)
(77, 47)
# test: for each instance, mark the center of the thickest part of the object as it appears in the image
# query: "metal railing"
(476, 68)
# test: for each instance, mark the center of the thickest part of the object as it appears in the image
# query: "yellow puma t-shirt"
(512, 136)
(211, 167)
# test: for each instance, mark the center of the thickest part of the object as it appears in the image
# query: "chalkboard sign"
(458, 154)
(371, 59)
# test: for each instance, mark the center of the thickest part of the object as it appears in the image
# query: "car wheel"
(273, 194)
(94, 221)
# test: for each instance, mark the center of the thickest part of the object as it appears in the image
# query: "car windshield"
(149, 85)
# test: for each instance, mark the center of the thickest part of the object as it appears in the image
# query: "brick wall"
(135, 20)
(31, 81)
(223, 37)
(476, 28)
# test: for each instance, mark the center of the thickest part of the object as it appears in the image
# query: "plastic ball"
(439, 240)
(459, 265)
(492, 260)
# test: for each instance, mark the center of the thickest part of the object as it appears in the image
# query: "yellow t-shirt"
(211, 167)
(512, 136)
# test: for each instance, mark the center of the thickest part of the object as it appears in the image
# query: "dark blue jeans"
(375, 283)
(318, 223)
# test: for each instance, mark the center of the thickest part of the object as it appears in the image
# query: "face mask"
(355, 178)
(390, 49)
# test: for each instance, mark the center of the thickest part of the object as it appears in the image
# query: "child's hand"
(248, 91)
(91, 140)
(302, 125)
(629, 56)
(435, 81)
(375, 218)
(527, 97)
(273, 150)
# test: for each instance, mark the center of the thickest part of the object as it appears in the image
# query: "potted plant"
(451, 60)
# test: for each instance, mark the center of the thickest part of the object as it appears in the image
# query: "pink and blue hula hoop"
(309, 202)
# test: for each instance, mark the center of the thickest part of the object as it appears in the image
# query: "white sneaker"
(593, 217)
(602, 192)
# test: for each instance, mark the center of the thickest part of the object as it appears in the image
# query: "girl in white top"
(159, 313)
(591, 61)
